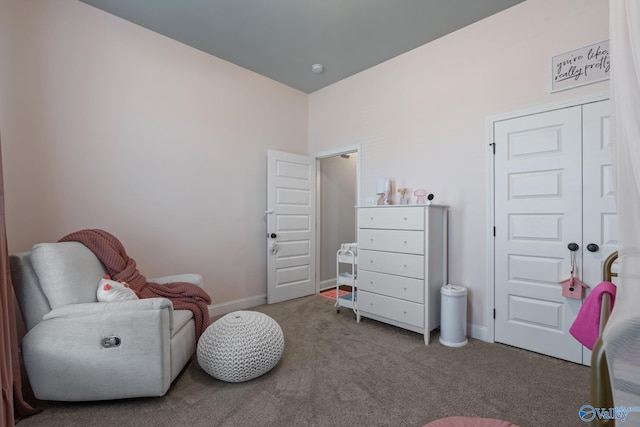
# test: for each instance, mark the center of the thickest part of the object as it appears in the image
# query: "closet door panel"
(537, 202)
(600, 217)
(538, 215)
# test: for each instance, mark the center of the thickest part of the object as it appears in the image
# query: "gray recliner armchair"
(79, 349)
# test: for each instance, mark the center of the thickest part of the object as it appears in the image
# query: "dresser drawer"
(392, 218)
(393, 286)
(391, 308)
(391, 263)
(406, 241)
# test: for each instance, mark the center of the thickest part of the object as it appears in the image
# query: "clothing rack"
(601, 395)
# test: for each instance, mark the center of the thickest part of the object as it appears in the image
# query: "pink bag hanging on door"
(572, 287)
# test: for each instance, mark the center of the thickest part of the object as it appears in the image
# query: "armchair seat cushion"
(180, 318)
(69, 272)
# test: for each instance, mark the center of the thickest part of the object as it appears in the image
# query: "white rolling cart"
(347, 254)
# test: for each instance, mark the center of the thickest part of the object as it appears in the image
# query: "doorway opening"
(337, 195)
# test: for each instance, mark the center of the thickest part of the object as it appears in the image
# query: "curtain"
(14, 406)
(621, 336)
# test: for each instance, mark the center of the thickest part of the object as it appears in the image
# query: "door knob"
(592, 247)
(573, 246)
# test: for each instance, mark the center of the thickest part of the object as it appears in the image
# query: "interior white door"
(538, 200)
(600, 219)
(290, 226)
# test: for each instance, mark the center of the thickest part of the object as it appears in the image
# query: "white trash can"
(453, 316)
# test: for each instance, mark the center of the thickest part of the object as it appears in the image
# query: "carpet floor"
(336, 372)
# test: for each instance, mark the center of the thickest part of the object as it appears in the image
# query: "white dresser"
(402, 264)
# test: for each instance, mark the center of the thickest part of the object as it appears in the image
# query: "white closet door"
(599, 213)
(538, 199)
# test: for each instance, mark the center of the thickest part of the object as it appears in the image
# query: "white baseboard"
(327, 284)
(240, 304)
(479, 332)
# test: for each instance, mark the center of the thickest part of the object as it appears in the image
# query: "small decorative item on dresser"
(387, 192)
(404, 199)
(420, 194)
(383, 189)
(429, 198)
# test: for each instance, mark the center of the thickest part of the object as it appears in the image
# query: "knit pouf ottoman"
(240, 346)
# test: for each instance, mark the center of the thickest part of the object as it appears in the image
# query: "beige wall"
(422, 116)
(108, 125)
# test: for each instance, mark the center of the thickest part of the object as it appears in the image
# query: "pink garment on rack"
(586, 327)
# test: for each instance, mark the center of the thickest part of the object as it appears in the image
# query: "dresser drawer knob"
(405, 242)
(405, 218)
(371, 239)
(371, 261)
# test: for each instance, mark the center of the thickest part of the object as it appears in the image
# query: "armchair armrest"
(78, 346)
(195, 279)
(94, 308)
(98, 308)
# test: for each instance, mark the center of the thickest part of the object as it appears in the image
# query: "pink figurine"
(420, 194)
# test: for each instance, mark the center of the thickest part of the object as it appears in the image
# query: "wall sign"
(580, 67)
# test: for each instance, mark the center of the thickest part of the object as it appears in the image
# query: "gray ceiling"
(281, 39)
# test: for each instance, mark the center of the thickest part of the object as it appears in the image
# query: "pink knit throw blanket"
(109, 250)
